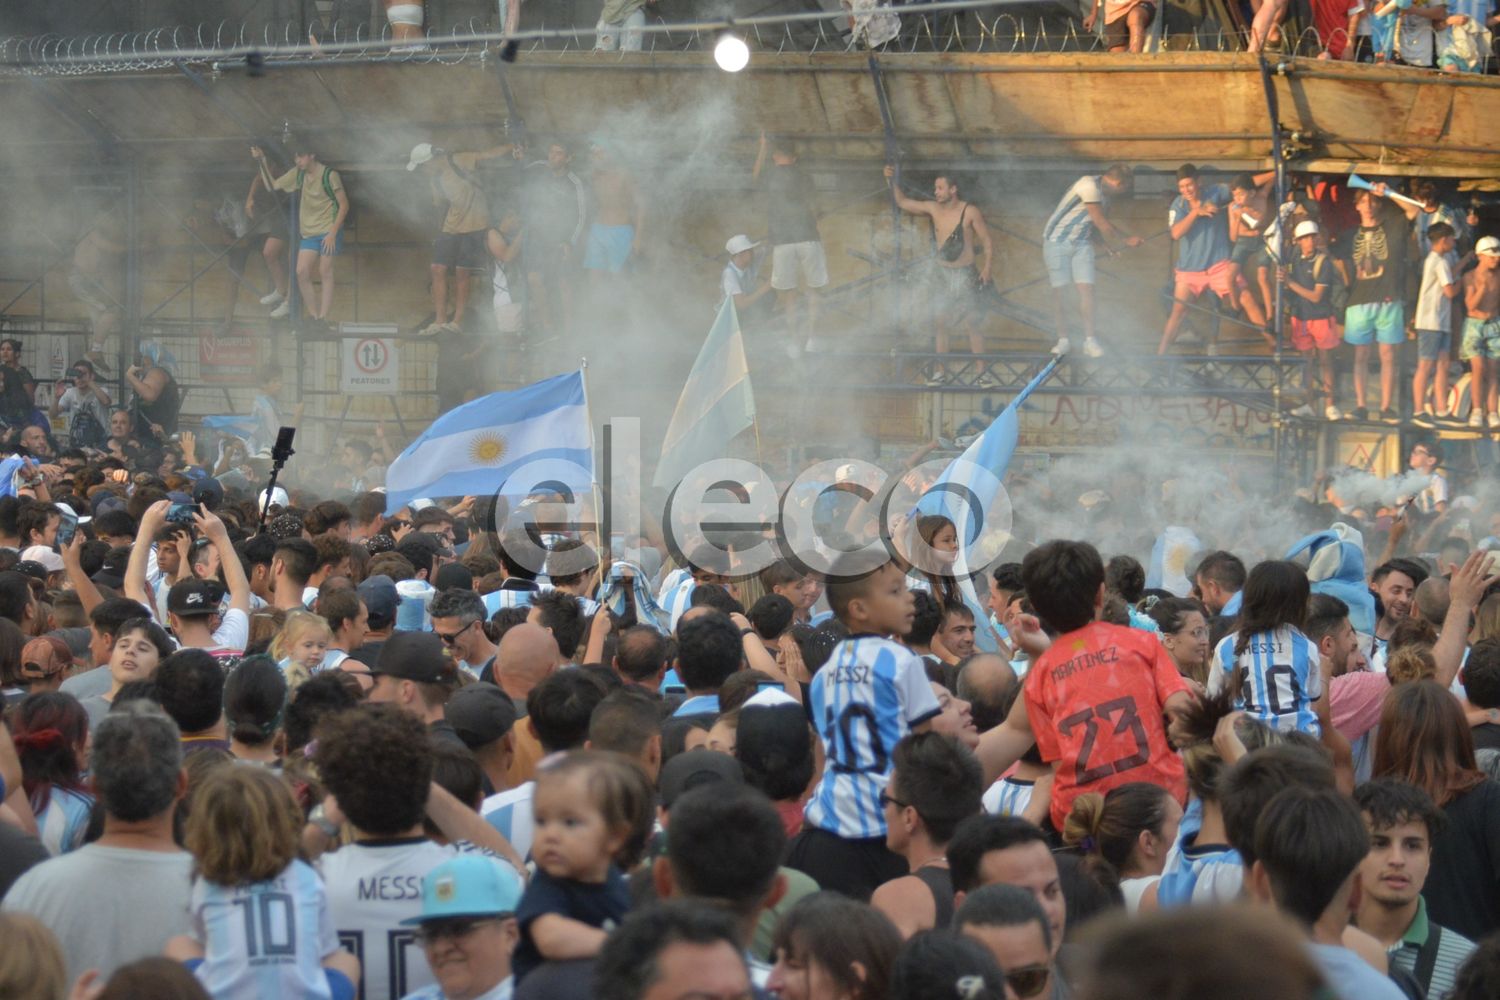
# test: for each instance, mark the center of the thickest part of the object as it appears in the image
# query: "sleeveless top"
(162, 410)
(939, 881)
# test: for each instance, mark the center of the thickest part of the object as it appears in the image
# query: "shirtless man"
(619, 215)
(97, 278)
(956, 227)
(1481, 343)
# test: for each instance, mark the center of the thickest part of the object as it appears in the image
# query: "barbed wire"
(344, 42)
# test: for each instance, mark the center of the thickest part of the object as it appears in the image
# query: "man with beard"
(1394, 584)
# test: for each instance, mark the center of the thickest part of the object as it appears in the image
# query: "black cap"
(195, 598)
(414, 656)
(697, 767)
(480, 714)
(208, 492)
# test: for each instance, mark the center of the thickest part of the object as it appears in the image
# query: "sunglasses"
(452, 930)
(449, 638)
(886, 800)
(400, 525)
(1028, 980)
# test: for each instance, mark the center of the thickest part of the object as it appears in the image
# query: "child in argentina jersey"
(261, 922)
(1280, 677)
(870, 694)
(1196, 871)
(1272, 670)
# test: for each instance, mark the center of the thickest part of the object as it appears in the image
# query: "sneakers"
(434, 328)
(937, 375)
(282, 311)
(1062, 346)
(1389, 416)
(1305, 411)
(985, 381)
(1359, 413)
(1093, 348)
(1476, 418)
(273, 299)
(1332, 413)
(1494, 421)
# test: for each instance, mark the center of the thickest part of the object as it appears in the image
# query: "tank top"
(939, 881)
(162, 410)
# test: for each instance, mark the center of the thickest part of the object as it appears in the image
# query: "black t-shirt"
(1310, 272)
(369, 653)
(16, 403)
(595, 905)
(1463, 884)
(790, 192)
(1379, 254)
(1486, 736)
(19, 853)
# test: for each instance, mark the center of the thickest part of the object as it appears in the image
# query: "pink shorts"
(1195, 283)
(1315, 333)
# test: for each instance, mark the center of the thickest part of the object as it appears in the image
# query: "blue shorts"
(1481, 339)
(1370, 321)
(1433, 344)
(315, 243)
(608, 248)
(1068, 263)
(338, 983)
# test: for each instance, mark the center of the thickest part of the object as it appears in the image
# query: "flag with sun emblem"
(475, 449)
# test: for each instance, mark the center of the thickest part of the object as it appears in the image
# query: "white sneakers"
(1093, 348)
(273, 299)
(1062, 346)
(1333, 413)
(282, 311)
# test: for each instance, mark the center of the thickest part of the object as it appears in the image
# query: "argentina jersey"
(869, 694)
(1199, 874)
(372, 887)
(1280, 678)
(61, 826)
(1008, 797)
(678, 600)
(267, 939)
(498, 600)
(1070, 221)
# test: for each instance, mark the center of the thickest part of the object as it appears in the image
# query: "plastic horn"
(1356, 181)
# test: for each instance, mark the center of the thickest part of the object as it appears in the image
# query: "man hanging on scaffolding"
(323, 208)
(956, 273)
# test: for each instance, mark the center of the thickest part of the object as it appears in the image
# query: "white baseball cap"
(1488, 247)
(1307, 227)
(420, 154)
(278, 498)
(49, 560)
(739, 244)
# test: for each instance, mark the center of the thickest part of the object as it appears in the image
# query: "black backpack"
(86, 431)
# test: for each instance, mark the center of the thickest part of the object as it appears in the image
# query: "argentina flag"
(715, 405)
(967, 489)
(475, 449)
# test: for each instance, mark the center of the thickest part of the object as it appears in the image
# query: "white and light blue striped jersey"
(372, 886)
(1008, 797)
(266, 939)
(498, 600)
(510, 813)
(1070, 221)
(678, 600)
(1193, 874)
(1280, 678)
(61, 825)
(869, 695)
(671, 582)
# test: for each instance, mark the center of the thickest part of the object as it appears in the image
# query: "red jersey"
(1095, 701)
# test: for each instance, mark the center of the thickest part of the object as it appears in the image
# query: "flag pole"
(599, 536)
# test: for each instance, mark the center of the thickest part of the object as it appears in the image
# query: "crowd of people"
(283, 744)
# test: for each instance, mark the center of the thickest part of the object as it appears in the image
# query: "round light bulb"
(731, 53)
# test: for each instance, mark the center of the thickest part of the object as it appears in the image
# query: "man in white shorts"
(1068, 247)
(797, 261)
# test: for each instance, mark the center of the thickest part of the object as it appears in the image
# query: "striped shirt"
(63, 823)
(678, 600)
(1008, 797)
(267, 939)
(870, 694)
(510, 813)
(1280, 678)
(1453, 949)
(1199, 874)
(1070, 221)
(508, 597)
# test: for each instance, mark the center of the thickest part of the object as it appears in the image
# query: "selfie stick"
(279, 454)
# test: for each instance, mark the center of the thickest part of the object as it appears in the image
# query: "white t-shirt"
(267, 939)
(372, 887)
(1434, 309)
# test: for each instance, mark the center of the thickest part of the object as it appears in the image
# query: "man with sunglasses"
(458, 620)
(467, 929)
(1010, 923)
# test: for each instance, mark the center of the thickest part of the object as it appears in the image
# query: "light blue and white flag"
(237, 425)
(968, 488)
(1174, 548)
(715, 405)
(475, 449)
(8, 470)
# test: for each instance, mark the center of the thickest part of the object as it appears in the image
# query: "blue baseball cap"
(470, 885)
